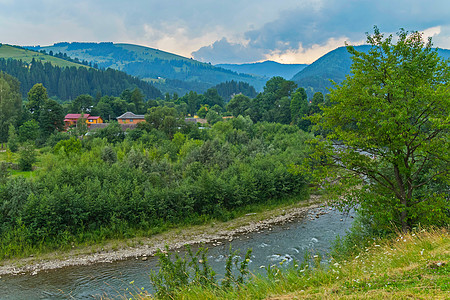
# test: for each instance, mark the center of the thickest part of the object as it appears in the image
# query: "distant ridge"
(267, 69)
(169, 72)
(334, 65)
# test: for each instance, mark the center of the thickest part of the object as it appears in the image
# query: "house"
(130, 117)
(72, 119)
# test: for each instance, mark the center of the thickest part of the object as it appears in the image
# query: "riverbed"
(314, 232)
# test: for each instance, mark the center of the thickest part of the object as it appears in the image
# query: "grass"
(411, 266)
(13, 158)
(10, 52)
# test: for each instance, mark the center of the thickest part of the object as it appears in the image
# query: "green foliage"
(193, 270)
(51, 118)
(113, 133)
(229, 89)
(29, 131)
(13, 139)
(4, 172)
(68, 147)
(201, 113)
(238, 105)
(213, 117)
(27, 157)
(10, 104)
(37, 96)
(109, 155)
(299, 105)
(178, 273)
(387, 134)
(82, 104)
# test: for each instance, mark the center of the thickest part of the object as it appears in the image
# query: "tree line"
(68, 82)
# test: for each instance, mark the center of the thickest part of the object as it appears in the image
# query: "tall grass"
(408, 266)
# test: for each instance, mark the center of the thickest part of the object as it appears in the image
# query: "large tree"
(36, 99)
(387, 134)
(10, 104)
(299, 105)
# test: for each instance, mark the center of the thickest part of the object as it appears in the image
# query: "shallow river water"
(271, 246)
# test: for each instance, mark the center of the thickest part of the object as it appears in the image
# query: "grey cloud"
(334, 19)
(346, 18)
(223, 51)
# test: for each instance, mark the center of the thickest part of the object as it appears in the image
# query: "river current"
(313, 233)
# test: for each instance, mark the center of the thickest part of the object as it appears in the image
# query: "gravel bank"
(174, 238)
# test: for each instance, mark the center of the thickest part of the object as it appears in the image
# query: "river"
(271, 246)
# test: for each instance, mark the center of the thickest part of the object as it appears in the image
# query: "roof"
(93, 117)
(76, 116)
(130, 115)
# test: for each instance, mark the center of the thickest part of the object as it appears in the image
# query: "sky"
(222, 31)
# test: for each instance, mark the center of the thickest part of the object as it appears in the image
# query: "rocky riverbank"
(212, 233)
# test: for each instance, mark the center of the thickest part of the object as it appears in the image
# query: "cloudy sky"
(226, 31)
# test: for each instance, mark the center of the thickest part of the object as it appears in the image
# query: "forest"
(68, 83)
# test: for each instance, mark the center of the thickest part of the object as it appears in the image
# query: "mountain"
(19, 53)
(65, 79)
(334, 65)
(169, 72)
(267, 69)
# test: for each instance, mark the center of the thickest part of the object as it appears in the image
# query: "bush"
(27, 157)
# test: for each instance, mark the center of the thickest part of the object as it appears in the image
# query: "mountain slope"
(64, 79)
(165, 69)
(19, 53)
(334, 65)
(267, 68)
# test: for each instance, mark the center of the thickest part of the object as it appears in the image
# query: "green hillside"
(172, 73)
(334, 65)
(18, 53)
(65, 79)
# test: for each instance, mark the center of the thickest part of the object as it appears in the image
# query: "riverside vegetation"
(403, 266)
(379, 144)
(117, 186)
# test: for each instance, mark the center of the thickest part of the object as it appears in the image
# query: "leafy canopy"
(387, 141)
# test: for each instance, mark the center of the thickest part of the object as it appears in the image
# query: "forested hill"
(267, 68)
(334, 65)
(172, 73)
(66, 80)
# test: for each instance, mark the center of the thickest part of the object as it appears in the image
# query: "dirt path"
(174, 238)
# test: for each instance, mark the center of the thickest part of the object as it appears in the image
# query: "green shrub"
(27, 157)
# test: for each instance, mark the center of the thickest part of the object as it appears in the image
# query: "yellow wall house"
(130, 118)
(72, 119)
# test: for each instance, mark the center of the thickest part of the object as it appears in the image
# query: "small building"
(72, 119)
(130, 117)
